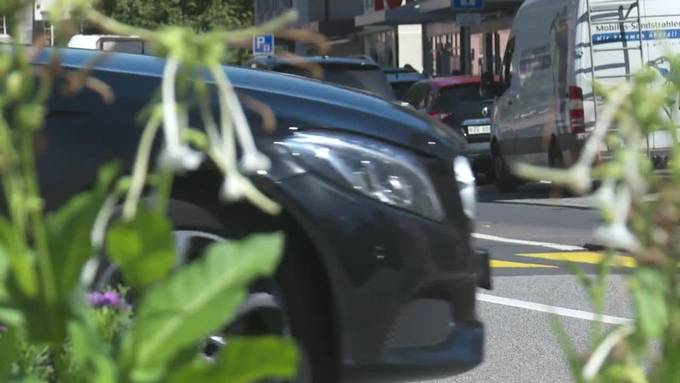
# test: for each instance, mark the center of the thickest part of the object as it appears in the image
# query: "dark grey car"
(378, 278)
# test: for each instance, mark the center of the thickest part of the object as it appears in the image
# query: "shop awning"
(406, 14)
(427, 11)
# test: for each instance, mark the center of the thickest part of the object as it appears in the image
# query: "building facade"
(332, 18)
(453, 41)
(35, 24)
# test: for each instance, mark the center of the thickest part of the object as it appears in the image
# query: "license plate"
(479, 129)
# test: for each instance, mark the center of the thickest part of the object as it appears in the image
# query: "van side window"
(507, 62)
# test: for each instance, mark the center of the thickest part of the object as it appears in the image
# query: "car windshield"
(372, 80)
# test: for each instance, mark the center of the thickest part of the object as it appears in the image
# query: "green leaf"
(648, 287)
(9, 351)
(20, 259)
(143, 248)
(197, 301)
(245, 360)
(90, 354)
(69, 230)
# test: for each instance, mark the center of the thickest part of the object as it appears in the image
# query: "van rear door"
(661, 32)
(623, 43)
(661, 35)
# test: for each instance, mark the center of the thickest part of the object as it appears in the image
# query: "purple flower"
(107, 299)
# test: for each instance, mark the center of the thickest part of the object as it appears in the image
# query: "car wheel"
(505, 182)
(263, 311)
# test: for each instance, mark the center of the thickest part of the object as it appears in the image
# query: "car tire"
(307, 299)
(505, 182)
(301, 297)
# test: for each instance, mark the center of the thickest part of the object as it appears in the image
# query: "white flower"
(617, 236)
(234, 187)
(180, 158)
(254, 161)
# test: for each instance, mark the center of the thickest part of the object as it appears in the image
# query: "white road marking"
(561, 311)
(547, 245)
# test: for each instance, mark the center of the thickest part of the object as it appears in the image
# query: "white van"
(111, 43)
(546, 106)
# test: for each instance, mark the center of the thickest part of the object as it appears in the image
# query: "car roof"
(445, 82)
(324, 61)
(402, 75)
(398, 70)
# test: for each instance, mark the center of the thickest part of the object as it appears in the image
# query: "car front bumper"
(403, 286)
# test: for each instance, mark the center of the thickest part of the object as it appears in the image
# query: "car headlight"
(380, 171)
(467, 188)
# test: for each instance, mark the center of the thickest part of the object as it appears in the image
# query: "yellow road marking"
(584, 257)
(496, 264)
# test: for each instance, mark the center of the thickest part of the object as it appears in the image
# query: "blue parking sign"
(263, 45)
(467, 5)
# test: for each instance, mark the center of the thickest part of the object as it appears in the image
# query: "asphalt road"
(532, 238)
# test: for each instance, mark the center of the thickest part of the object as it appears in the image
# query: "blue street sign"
(263, 45)
(467, 5)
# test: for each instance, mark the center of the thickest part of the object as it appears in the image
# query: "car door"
(535, 120)
(504, 111)
(83, 132)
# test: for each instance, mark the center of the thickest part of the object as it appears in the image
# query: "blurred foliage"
(640, 207)
(51, 329)
(200, 15)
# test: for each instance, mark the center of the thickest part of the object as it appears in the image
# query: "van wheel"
(555, 158)
(504, 180)
(556, 161)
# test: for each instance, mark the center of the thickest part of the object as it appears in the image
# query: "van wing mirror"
(493, 89)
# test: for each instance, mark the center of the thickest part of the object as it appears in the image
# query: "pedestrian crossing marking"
(497, 264)
(586, 257)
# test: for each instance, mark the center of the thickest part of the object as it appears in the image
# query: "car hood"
(303, 104)
(297, 102)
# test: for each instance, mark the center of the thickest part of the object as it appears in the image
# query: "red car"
(458, 102)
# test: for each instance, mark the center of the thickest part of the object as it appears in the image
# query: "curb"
(547, 204)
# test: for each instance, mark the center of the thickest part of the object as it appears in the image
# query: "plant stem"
(141, 166)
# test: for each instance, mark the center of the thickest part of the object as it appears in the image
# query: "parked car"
(453, 101)
(556, 51)
(378, 277)
(401, 79)
(111, 43)
(358, 73)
